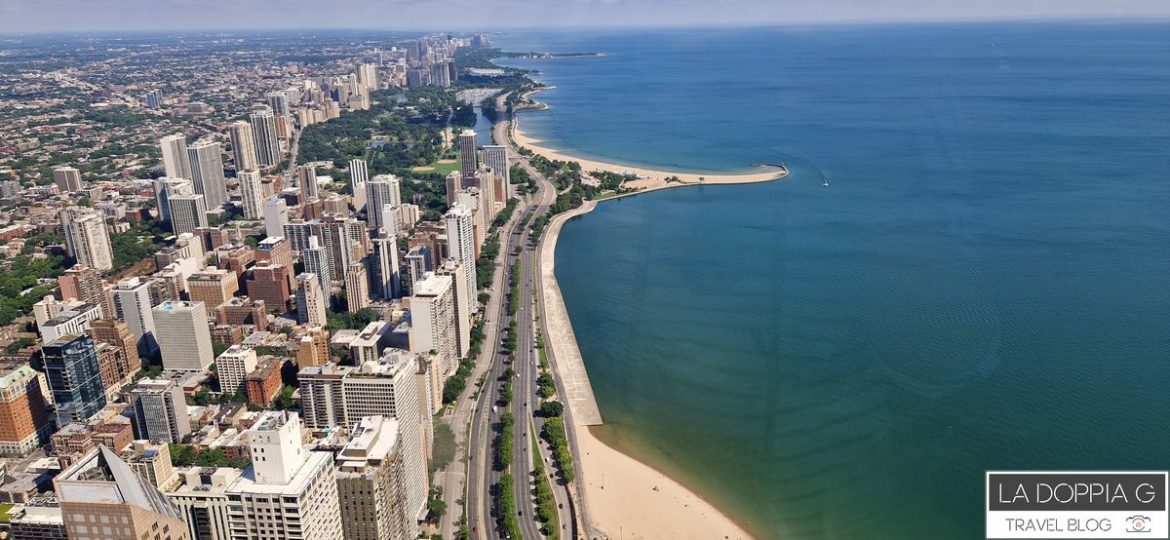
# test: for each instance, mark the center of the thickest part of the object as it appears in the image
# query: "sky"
(17, 16)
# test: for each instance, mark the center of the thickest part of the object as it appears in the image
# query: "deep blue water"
(985, 285)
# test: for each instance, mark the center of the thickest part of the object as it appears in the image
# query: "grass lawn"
(444, 445)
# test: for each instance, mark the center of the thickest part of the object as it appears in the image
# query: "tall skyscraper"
(71, 365)
(307, 182)
(164, 189)
(207, 173)
(333, 395)
(132, 304)
(387, 276)
(311, 301)
(432, 319)
(384, 190)
(302, 484)
(357, 288)
(415, 264)
(83, 283)
(183, 335)
(264, 130)
(367, 75)
(251, 193)
(496, 157)
(372, 483)
(464, 301)
(278, 102)
(174, 155)
(461, 242)
(67, 178)
(24, 422)
(188, 212)
(243, 146)
(160, 411)
(454, 186)
(275, 216)
(319, 263)
(102, 498)
(359, 175)
(467, 162)
(87, 238)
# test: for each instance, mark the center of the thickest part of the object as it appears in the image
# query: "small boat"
(826, 184)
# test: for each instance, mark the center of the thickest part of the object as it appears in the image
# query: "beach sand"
(648, 179)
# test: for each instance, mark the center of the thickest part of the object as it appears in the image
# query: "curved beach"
(623, 497)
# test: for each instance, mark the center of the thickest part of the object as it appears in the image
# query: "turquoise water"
(985, 285)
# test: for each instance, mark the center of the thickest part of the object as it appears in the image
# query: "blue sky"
(146, 15)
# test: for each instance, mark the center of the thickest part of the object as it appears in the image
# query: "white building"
(183, 335)
(384, 190)
(288, 493)
(86, 238)
(251, 193)
(311, 300)
(174, 155)
(206, 161)
(232, 366)
(243, 146)
(334, 395)
(275, 216)
(132, 304)
(70, 321)
(432, 319)
(359, 175)
(188, 212)
(496, 157)
(461, 242)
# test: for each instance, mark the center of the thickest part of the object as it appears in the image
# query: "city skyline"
(29, 17)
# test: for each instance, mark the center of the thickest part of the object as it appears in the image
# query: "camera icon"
(1137, 524)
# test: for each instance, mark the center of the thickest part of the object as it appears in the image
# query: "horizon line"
(1105, 19)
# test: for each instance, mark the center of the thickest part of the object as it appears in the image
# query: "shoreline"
(649, 177)
(619, 493)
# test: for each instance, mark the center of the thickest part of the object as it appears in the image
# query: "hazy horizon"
(100, 16)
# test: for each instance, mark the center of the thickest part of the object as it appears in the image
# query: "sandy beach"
(648, 179)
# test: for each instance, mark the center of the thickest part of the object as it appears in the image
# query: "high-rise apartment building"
(467, 150)
(271, 283)
(461, 244)
(188, 212)
(243, 146)
(333, 395)
(183, 335)
(116, 333)
(372, 484)
(102, 498)
(160, 411)
(67, 178)
(319, 262)
(24, 422)
(382, 191)
(251, 193)
(83, 283)
(496, 158)
(207, 173)
(264, 130)
(132, 304)
(454, 186)
(386, 273)
(464, 300)
(311, 300)
(233, 366)
(357, 288)
(71, 366)
(432, 319)
(275, 216)
(86, 237)
(174, 155)
(288, 493)
(307, 182)
(367, 75)
(359, 175)
(278, 102)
